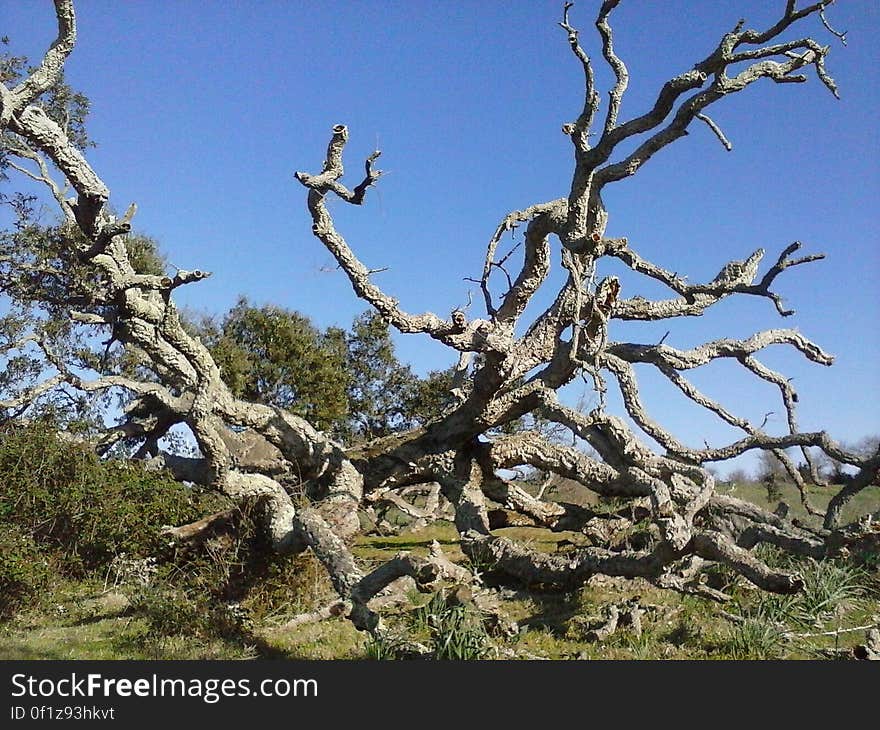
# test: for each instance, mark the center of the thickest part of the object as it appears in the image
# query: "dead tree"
(502, 376)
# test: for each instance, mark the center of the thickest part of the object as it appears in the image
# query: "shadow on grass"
(16, 651)
(554, 612)
(405, 544)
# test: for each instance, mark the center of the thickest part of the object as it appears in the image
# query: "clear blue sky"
(202, 112)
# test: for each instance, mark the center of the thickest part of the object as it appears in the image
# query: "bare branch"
(47, 74)
(579, 131)
(536, 265)
(838, 34)
(780, 72)
(33, 124)
(478, 336)
(724, 348)
(735, 277)
(619, 68)
(716, 130)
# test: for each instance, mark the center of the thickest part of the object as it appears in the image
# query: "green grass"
(754, 639)
(74, 621)
(78, 621)
(334, 638)
(675, 627)
(374, 548)
(866, 501)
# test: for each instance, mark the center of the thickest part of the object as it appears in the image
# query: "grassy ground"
(865, 502)
(86, 621)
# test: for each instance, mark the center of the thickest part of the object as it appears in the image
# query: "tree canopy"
(278, 357)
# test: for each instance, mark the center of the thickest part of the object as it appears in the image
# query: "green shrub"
(170, 611)
(24, 571)
(236, 562)
(61, 504)
(218, 587)
(80, 508)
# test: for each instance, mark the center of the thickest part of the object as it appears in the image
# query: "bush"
(170, 611)
(64, 510)
(23, 569)
(219, 587)
(78, 508)
(237, 563)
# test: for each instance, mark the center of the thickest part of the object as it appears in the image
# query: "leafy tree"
(348, 383)
(278, 357)
(381, 390)
(41, 280)
(432, 396)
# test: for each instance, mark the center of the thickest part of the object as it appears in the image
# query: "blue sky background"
(202, 111)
